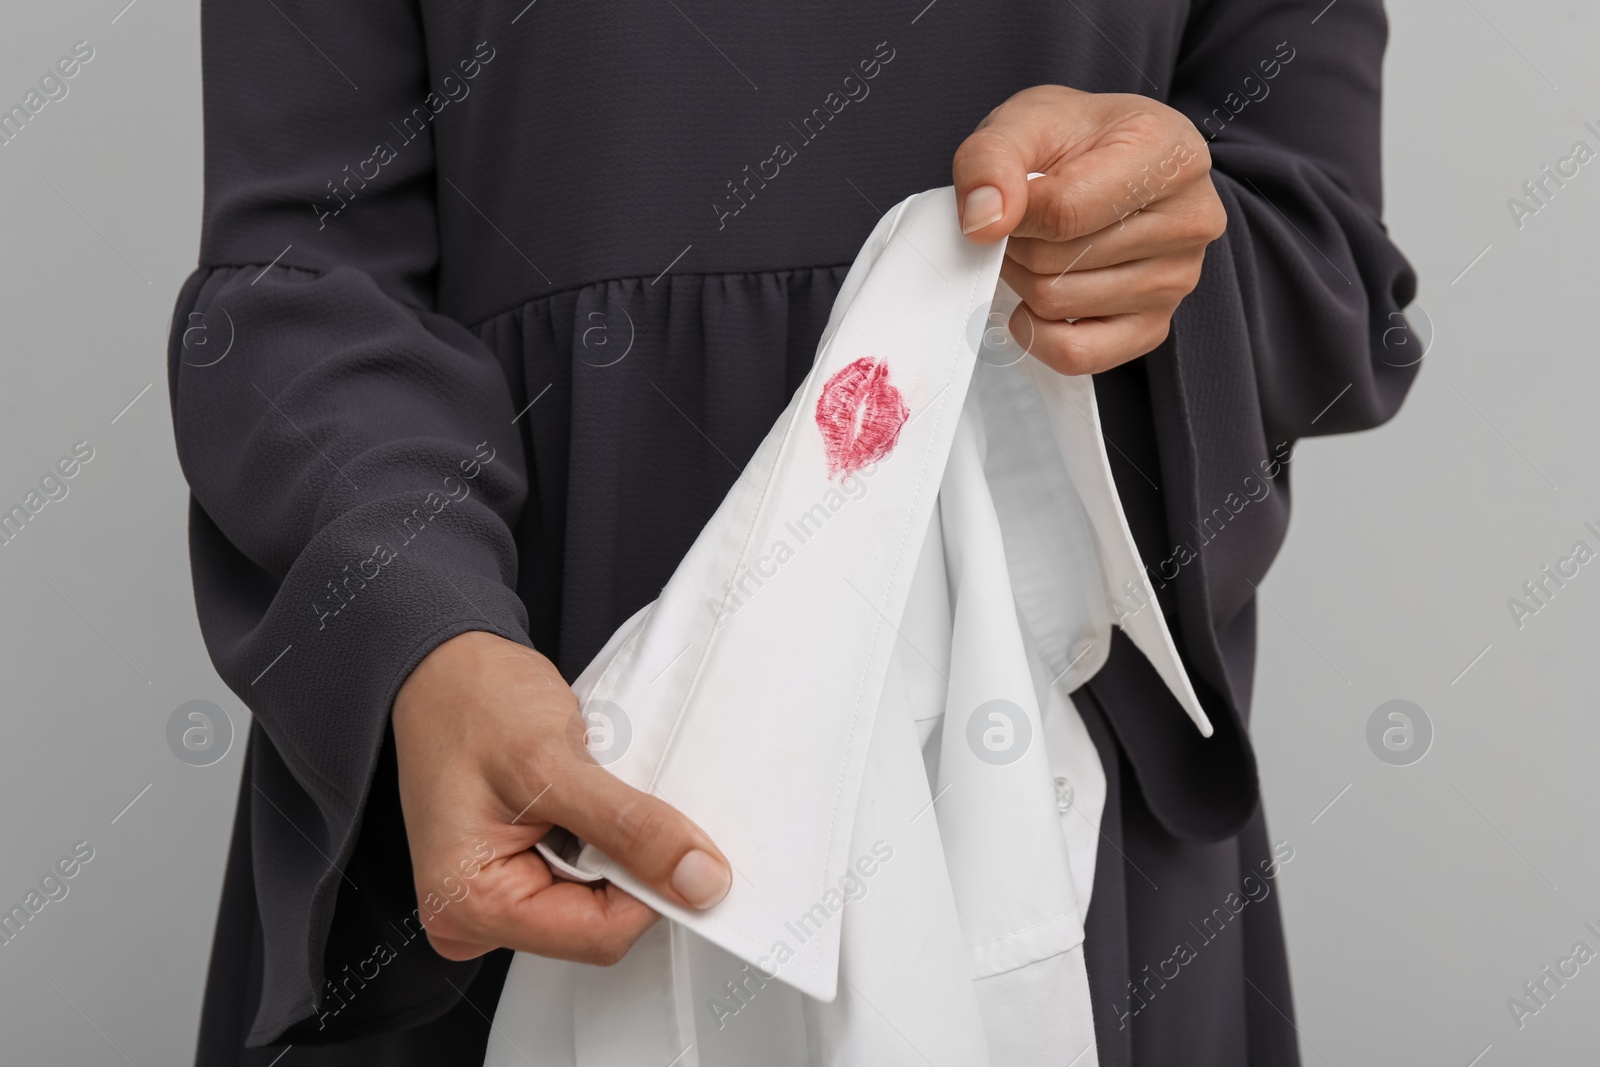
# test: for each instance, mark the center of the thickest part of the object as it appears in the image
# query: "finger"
(991, 177)
(1033, 131)
(641, 833)
(1105, 156)
(1139, 236)
(1089, 346)
(1143, 285)
(1111, 183)
(589, 924)
(520, 906)
(1177, 225)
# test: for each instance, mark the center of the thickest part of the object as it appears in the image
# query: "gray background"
(1419, 899)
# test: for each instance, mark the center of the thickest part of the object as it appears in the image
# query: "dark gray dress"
(509, 291)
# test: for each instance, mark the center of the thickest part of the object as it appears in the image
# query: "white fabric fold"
(857, 682)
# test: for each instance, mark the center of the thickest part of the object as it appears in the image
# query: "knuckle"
(1191, 278)
(1219, 218)
(1188, 139)
(1148, 122)
(639, 824)
(1059, 216)
(1070, 354)
(1023, 108)
(1210, 220)
(1033, 256)
(493, 900)
(1048, 301)
(986, 138)
(1179, 280)
(602, 948)
(610, 951)
(1154, 334)
(982, 145)
(446, 948)
(996, 114)
(1047, 95)
(1027, 258)
(481, 908)
(447, 939)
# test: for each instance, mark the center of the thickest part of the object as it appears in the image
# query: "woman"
(509, 293)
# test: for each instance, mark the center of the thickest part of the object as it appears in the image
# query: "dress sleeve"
(354, 468)
(1293, 329)
(1288, 94)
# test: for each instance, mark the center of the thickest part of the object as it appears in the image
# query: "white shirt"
(856, 682)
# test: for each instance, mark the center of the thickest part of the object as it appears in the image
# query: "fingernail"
(984, 205)
(701, 880)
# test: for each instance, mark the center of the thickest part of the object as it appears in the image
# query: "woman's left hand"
(1111, 239)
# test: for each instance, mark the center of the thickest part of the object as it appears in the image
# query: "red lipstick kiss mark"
(860, 414)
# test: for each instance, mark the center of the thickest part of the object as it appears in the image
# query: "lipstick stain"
(860, 414)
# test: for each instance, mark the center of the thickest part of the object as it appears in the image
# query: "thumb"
(643, 834)
(991, 178)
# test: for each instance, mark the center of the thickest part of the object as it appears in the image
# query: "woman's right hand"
(491, 756)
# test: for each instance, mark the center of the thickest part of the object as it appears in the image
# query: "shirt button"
(1063, 794)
